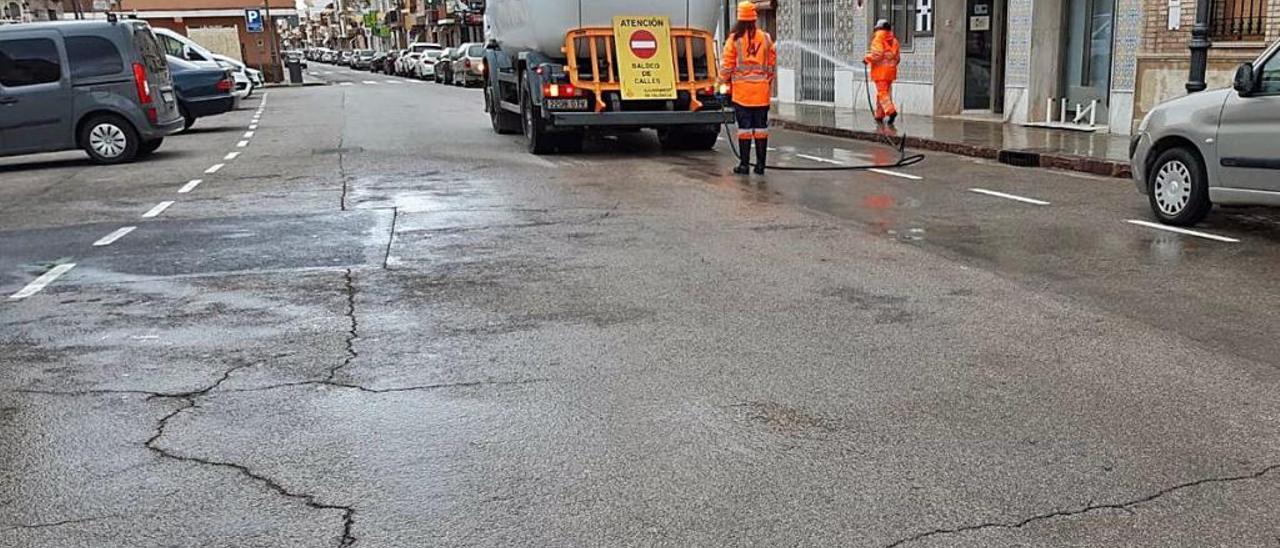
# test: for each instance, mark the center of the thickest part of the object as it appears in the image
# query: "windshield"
(475, 51)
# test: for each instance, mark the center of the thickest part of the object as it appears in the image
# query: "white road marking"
(111, 238)
(158, 209)
(820, 159)
(214, 168)
(191, 185)
(896, 174)
(39, 283)
(369, 82)
(242, 144)
(1177, 230)
(248, 134)
(392, 81)
(1015, 198)
(231, 156)
(253, 126)
(346, 83)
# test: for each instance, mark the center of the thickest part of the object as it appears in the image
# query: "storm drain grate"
(1020, 158)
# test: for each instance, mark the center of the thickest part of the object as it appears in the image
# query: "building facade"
(1017, 61)
(27, 11)
(1239, 30)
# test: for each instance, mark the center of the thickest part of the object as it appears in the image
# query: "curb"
(302, 85)
(1013, 157)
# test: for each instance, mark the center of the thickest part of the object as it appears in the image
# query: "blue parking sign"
(253, 20)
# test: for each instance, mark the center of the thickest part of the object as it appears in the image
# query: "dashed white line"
(1013, 197)
(242, 144)
(248, 134)
(896, 174)
(253, 126)
(346, 84)
(112, 237)
(1177, 230)
(369, 82)
(214, 168)
(191, 185)
(392, 81)
(231, 156)
(158, 209)
(820, 159)
(39, 283)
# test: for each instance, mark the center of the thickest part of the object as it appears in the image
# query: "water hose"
(904, 159)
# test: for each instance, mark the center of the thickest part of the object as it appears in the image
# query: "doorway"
(1086, 75)
(817, 31)
(984, 55)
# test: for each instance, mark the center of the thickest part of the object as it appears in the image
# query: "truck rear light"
(140, 81)
(223, 85)
(559, 90)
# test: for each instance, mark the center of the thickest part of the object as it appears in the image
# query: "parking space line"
(231, 156)
(112, 237)
(369, 82)
(242, 144)
(1177, 230)
(253, 126)
(191, 185)
(158, 209)
(392, 81)
(248, 134)
(896, 174)
(1013, 197)
(820, 159)
(39, 283)
(346, 83)
(214, 168)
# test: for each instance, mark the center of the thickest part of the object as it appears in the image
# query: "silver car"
(1213, 147)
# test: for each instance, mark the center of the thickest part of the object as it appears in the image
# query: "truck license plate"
(567, 104)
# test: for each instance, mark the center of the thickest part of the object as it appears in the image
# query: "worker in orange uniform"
(883, 58)
(748, 65)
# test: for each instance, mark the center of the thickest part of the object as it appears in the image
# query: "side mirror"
(1244, 81)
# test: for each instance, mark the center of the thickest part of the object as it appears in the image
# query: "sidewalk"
(1097, 153)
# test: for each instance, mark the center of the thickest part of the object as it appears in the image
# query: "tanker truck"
(558, 69)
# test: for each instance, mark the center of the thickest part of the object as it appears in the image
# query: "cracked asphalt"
(382, 325)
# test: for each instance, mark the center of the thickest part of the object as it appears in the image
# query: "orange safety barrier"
(682, 45)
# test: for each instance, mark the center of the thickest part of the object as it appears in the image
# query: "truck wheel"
(504, 123)
(1178, 188)
(535, 128)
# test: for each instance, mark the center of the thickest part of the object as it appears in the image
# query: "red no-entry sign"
(644, 44)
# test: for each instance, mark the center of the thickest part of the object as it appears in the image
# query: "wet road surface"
(383, 325)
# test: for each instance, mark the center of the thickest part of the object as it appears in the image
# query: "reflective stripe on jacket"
(883, 56)
(748, 64)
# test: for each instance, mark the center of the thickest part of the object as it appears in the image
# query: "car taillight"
(140, 80)
(223, 85)
(559, 90)
(466, 63)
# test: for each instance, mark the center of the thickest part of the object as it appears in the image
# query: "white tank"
(540, 25)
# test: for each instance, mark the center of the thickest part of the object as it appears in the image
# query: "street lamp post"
(1199, 48)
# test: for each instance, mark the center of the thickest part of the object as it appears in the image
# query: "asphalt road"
(382, 325)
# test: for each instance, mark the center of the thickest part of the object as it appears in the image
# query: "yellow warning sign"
(644, 57)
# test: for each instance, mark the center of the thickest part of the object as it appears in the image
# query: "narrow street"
(353, 315)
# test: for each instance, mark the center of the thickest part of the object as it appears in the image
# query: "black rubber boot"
(893, 117)
(744, 157)
(762, 154)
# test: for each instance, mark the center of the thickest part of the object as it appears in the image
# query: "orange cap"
(746, 10)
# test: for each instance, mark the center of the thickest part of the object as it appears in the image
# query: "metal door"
(35, 103)
(1248, 151)
(817, 33)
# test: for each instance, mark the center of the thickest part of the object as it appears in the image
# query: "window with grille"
(1238, 20)
(901, 14)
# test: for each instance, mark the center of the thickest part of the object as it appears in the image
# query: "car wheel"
(187, 119)
(109, 139)
(149, 147)
(1178, 188)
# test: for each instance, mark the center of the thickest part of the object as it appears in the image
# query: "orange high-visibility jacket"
(748, 65)
(884, 56)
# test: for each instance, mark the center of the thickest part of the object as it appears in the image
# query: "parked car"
(100, 86)
(295, 56)
(376, 64)
(1213, 147)
(468, 66)
(388, 61)
(444, 66)
(425, 68)
(406, 63)
(201, 91)
(344, 58)
(240, 73)
(329, 56)
(419, 47)
(362, 59)
(185, 48)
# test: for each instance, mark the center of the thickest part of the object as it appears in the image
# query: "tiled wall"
(1017, 64)
(1128, 39)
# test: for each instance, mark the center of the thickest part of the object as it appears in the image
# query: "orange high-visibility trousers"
(884, 99)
